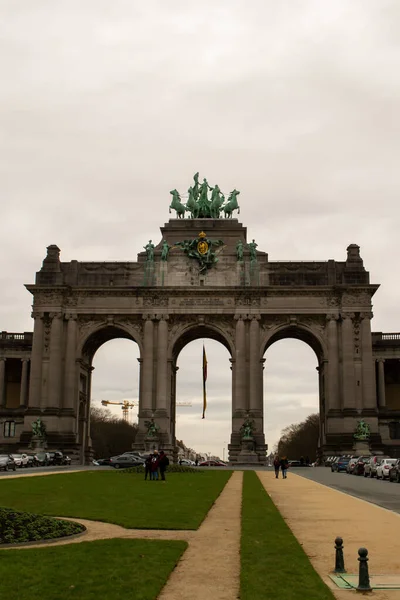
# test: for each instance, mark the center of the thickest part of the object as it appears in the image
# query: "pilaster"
(55, 356)
(349, 396)
(147, 365)
(162, 363)
(35, 381)
(368, 365)
(333, 398)
(3, 381)
(255, 367)
(381, 382)
(24, 383)
(240, 364)
(70, 400)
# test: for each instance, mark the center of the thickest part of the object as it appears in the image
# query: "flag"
(204, 381)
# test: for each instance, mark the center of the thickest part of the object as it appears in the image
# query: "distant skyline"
(106, 107)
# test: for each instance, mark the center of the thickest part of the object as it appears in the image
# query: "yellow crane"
(125, 404)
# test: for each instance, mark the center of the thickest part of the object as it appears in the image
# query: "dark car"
(42, 459)
(394, 472)
(56, 457)
(359, 465)
(340, 464)
(100, 462)
(212, 463)
(123, 462)
(7, 463)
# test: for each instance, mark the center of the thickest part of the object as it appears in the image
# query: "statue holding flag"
(204, 381)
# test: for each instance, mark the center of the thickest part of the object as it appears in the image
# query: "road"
(382, 493)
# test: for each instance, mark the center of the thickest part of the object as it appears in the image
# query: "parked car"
(42, 459)
(212, 463)
(359, 465)
(56, 457)
(186, 462)
(125, 461)
(351, 463)
(370, 466)
(7, 463)
(394, 472)
(100, 462)
(19, 461)
(383, 468)
(31, 460)
(340, 464)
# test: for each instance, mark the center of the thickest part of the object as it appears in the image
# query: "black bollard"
(363, 578)
(339, 558)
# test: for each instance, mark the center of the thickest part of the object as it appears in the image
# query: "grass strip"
(274, 565)
(110, 569)
(180, 503)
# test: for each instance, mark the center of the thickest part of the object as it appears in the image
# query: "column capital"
(161, 317)
(332, 317)
(3, 359)
(380, 360)
(37, 314)
(240, 317)
(256, 317)
(366, 315)
(348, 315)
(24, 360)
(71, 317)
(55, 315)
(148, 317)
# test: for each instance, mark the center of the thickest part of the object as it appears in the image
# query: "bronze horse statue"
(177, 205)
(232, 204)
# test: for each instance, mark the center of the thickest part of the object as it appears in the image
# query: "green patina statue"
(239, 250)
(149, 251)
(247, 429)
(152, 428)
(202, 249)
(200, 206)
(252, 246)
(39, 428)
(165, 248)
(363, 431)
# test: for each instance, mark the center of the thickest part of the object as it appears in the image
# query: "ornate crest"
(202, 249)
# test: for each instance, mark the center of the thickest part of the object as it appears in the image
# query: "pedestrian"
(163, 463)
(307, 461)
(154, 466)
(277, 464)
(196, 462)
(284, 466)
(147, 467)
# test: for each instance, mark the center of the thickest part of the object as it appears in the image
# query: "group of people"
(281, 464)
(154, 463)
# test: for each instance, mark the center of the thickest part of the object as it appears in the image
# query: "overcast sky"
(108, 105)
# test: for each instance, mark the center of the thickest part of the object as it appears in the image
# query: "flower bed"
(17, 527)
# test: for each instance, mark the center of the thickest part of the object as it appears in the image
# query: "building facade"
(203, 279)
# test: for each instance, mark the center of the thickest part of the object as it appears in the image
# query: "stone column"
(233, 379)
(368, 364)
(3, 398)
(381, 382)
(162, 363)
(55, 356)
(147, 365)
(240, 364)
(349, 396)
(24, 382)
(333, 399)
(71, 380)
(35, 381)
(255, 367)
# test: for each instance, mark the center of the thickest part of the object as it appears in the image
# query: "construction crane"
(125, 405)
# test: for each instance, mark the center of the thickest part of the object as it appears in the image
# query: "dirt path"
(317, 515)
(216, 542)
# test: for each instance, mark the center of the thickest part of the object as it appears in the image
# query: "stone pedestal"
(151, 444)
(38, 444)
(361, 448)
(247, 454)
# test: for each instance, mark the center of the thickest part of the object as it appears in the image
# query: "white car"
(21, 460)
(382, 469)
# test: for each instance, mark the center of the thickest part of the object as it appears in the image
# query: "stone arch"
(193, 331)
(304, 333)
(310, 336)
(101, 333)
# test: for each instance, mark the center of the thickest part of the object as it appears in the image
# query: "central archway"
(311, 338)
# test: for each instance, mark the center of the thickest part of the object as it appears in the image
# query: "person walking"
(154, 466)
(277, 464)
(163, 463)
(147, 467)
(284, 466)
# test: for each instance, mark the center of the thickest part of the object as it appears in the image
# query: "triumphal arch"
(203, 278)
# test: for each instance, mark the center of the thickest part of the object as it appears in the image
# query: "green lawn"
(127, 500)
(109, 569)
(274, 565)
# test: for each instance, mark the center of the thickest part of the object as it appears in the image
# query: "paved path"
(317, 515)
